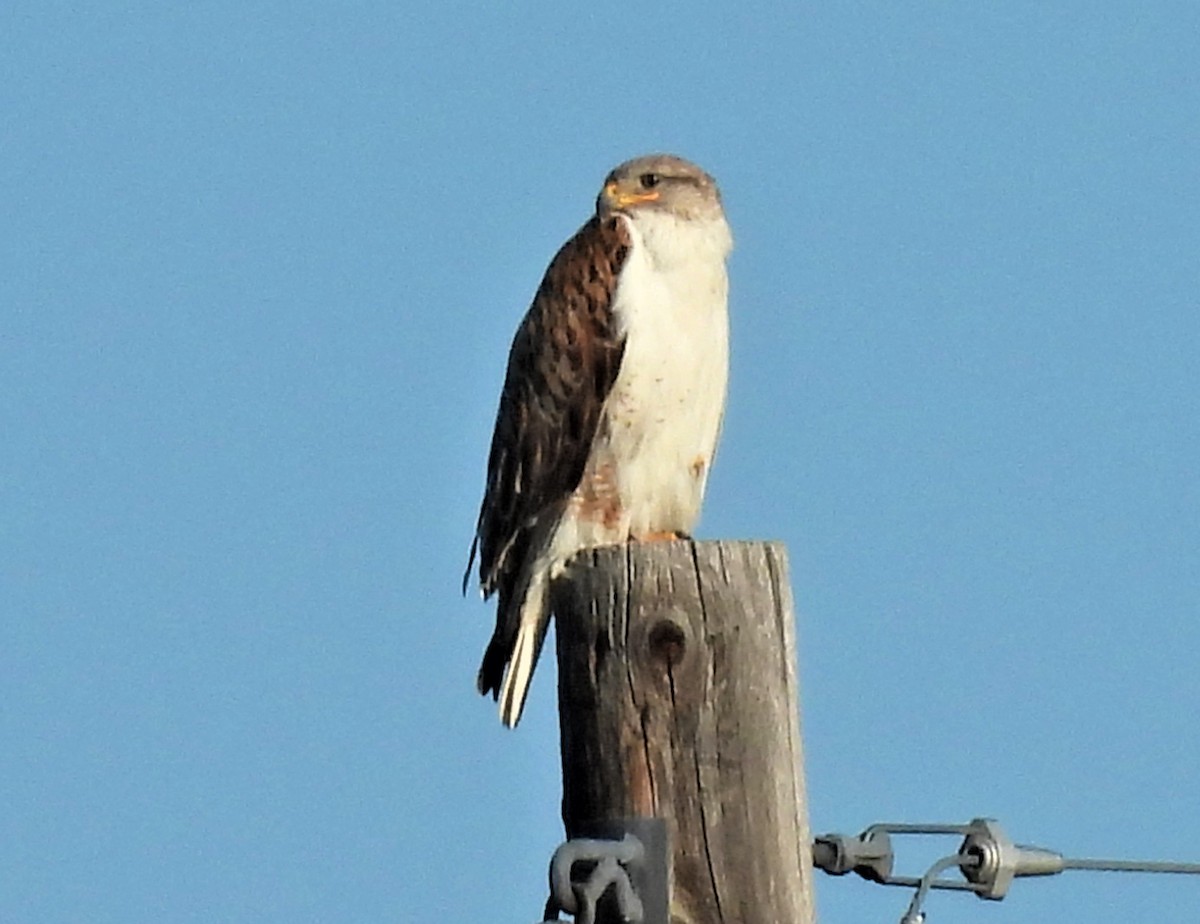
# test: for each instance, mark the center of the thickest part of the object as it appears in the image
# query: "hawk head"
(663, 183)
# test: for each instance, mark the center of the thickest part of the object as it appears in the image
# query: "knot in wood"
(668, 642)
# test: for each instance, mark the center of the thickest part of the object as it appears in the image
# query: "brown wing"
(562, 364)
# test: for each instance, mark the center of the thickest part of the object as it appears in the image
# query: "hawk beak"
(620, 200)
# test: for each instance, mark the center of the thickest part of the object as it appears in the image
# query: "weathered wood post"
(678, 698)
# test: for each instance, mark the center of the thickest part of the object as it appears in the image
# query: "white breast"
(664, 413)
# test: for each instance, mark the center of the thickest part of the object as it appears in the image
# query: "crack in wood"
(710, 738)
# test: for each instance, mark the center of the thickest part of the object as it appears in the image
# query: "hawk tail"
(534, 616)
(491, 671)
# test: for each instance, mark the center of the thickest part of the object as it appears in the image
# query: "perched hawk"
(612, 401)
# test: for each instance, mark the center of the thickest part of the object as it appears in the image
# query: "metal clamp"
(620, 874)
(987, 859)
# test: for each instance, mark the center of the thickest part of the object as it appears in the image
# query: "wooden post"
(678, 698)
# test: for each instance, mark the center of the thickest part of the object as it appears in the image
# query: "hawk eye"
(649, 180)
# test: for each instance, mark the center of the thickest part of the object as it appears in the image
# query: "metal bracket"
(987, 859)
(997, 860)
(617, 873)
(870, 854)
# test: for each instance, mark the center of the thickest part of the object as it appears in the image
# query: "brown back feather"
(562, 365)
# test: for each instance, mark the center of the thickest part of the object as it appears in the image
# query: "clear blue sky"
(259, 268)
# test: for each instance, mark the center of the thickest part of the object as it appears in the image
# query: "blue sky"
(259, 268)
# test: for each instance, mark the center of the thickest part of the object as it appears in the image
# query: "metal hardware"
(618, 873)
(987, 860)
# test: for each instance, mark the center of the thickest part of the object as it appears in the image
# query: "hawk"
(612, 401)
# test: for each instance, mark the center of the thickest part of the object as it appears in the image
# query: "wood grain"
(678, 697)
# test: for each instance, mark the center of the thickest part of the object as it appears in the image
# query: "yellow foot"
(667, 536)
